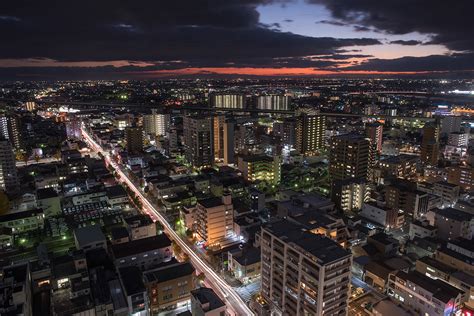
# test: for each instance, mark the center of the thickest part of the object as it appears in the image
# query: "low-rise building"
(144, 253)
(22, 222)
(424, 295)
(451, 223)
(386, 217)
(205, 302)
(244, 264)
(15, 289)
(135, 291)
(421, 229)
(169, 286)
(448, 192)
(49, 201)
(140, 226)
(89, 237)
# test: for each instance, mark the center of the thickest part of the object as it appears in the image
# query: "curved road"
(233, 301)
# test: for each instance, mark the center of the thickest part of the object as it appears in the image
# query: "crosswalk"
(247, 291)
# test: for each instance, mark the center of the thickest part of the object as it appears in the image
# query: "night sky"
(92, 39)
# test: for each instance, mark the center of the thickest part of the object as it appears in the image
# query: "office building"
(303, 273)
(8, 173)
(310, 131)
(213, 219)
(198, 141)
(350, 194)
(260, 168)
(374, 132)
(228, 101)
(156, 124)
(349, 157)
(273, 102)
(430, 144)
(134, 139)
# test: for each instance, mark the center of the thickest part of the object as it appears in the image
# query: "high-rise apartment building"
(451, 124)
(134, 139)
(374, 132)
(8, 174)
(198, 141)
(30, 106)
(430, 144)
(273, 102)
(228, 101)
(229, 141)
(213, 219)
(286, 131)
(349, 157)
(10, 129)
(303, 273)
(156, 124)
(310, 131)
(218, 136)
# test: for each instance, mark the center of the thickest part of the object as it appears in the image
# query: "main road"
(233, 301)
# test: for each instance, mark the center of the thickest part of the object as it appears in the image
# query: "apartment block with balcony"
(303, 273)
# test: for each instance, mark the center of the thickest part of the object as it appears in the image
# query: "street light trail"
(233, 300)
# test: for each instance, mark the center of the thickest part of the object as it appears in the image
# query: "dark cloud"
(407, 43)
(335, 23)
(451, 23)
(448, 63)
(288, 21)
(151, 30)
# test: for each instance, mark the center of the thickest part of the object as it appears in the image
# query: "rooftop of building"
(206, 296)
(399, 159)
(119, 233)
(247, 256)
(463, 243)
(169, 272)
(88, 234)
(21, 215)
(323, 248)
(453, 214)
(140, 246)
(116, 191)
(439, 289)
(47, 193)
(211, 202)
(132, 280)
